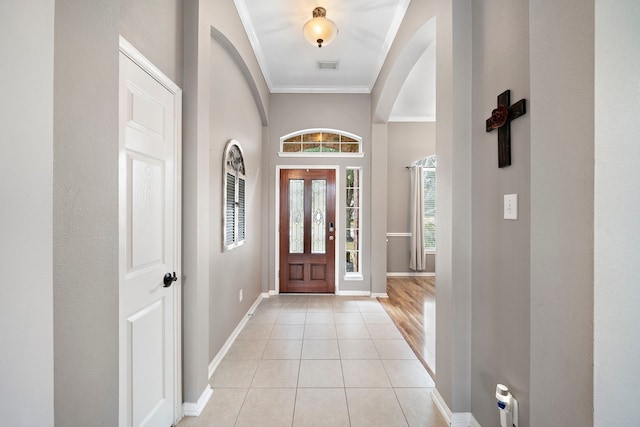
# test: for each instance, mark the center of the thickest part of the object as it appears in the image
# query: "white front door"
(149, 248)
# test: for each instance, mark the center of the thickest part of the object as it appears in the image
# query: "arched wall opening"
(410, 55)
(453, 150)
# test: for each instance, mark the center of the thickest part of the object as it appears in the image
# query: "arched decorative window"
(321, 143)
(233, 193)
(429, 186)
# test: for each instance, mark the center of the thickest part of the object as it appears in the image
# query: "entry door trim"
(139, 59)
(337, 233)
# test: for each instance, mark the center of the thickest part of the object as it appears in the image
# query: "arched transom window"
(321, 142)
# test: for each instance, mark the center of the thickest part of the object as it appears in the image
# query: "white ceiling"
(366, 31)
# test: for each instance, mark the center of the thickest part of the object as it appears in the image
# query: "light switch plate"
(510, 206)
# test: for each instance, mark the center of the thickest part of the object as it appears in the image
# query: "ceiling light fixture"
(320, 30)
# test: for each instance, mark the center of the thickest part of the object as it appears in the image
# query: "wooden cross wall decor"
(501, 119)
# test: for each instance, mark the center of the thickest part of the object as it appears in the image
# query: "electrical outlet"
(241, 295)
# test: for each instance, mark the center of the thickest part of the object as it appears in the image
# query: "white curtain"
(416, 224)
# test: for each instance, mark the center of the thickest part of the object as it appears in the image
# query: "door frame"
(337, 219)
(139, 59)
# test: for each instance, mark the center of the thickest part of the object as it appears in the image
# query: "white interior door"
(149, 248)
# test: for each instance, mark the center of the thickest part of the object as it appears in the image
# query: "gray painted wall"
(407, 143)
(560, 275)
(617, 251)
(500, 307)
(379, 136)
(453, 198)
(562, 159)
(26, 213)
(234, 115)
(350, 113)
(155, 28)
(85, 213)
(199, 169)
(223, 16)
(195, 201)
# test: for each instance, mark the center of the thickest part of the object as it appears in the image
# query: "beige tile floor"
(319, 361)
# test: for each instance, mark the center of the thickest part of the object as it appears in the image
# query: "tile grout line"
(295, 397)
(246, 393)
(334, 327)
(344, 390)
(295, 394)
(252, 378)
(400, 406)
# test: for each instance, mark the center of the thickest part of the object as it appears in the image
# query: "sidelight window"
(353, 222)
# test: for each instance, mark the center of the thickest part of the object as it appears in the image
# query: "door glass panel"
(318, 215)
(291, 147)
(353, 218)
(296, 216)
(352, 262)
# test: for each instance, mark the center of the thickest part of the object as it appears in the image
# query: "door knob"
(330, 237)
(169, 279)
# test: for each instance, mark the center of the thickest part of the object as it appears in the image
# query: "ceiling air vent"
(327, 65)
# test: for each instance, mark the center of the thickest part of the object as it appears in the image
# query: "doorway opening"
(307, 230)
(307, 224)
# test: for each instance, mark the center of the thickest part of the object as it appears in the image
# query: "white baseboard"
(464, 419)
(441, 405)
(343, 294)
(412, 274)
(454, 419)
(273, 292)
(473, 422)
(379, 295)
(353, 293)
(253, 307)
(192, 409)
(227, 345)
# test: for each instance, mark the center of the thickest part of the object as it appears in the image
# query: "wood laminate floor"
(412, 306)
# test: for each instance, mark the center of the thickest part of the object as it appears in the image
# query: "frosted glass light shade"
(320, 31)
